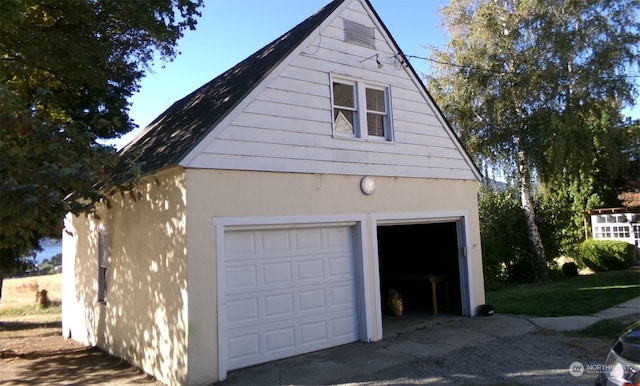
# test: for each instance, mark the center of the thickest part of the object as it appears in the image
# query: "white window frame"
(354, 110)
(620, 232)
(602, 232)
(360, 129)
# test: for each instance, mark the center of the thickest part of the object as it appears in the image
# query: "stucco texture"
(144, 318)
(214, 194)
(166, 237)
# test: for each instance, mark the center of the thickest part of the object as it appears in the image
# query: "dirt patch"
(33, 352)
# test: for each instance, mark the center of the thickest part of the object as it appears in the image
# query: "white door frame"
(357, 222)
(462, 229)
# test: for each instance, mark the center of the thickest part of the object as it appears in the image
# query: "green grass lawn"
(604, 329)
(582, 295)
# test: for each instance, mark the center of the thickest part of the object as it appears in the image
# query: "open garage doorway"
(422, 263)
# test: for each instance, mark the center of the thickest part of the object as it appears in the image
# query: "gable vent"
(359, 34)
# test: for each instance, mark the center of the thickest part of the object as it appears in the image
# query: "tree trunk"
(540, 271)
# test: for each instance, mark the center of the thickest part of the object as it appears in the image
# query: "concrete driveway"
(453, 350)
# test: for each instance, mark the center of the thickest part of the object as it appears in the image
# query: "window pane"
(102, 284)
(343, 121)
(343, 95)
(375, 100)
(375, 125)
(103, 262)
(103, 249)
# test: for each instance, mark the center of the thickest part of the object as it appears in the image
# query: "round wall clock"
(368, 185)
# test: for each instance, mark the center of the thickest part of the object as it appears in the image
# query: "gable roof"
(171, 136)
(175, 133)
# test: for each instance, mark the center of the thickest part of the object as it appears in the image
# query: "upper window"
(376, 112)
(361, 110)
(344, 108)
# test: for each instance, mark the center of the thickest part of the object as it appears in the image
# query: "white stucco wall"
(144, 319)
(168, 235)
(215, 194)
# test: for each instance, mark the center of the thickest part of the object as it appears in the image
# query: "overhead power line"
(488, 70)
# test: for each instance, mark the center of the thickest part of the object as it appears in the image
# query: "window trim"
(360, 129)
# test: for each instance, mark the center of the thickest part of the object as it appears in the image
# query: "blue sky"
(231, 30)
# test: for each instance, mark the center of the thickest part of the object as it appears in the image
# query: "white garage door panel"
(272, 306)
(264, 274)
(288, 292)
(284, 339)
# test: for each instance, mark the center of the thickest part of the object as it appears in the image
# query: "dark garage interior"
(409, 256)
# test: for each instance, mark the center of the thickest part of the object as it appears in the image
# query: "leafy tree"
(630, 179)
(67, 69)
(502, 227)
(536, 87)
(47, 268)
(56, 259)
(506, 252)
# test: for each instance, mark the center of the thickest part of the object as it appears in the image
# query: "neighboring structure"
(620, 224)
(281, 200)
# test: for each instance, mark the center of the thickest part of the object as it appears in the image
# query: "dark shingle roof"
(171, 136)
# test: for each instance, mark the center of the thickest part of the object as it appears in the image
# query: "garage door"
(287, 292)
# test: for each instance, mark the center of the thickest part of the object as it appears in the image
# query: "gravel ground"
(537, 358)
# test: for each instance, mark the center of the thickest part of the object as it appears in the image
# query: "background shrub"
(507, 253)
(606, 255)
(505, 245)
